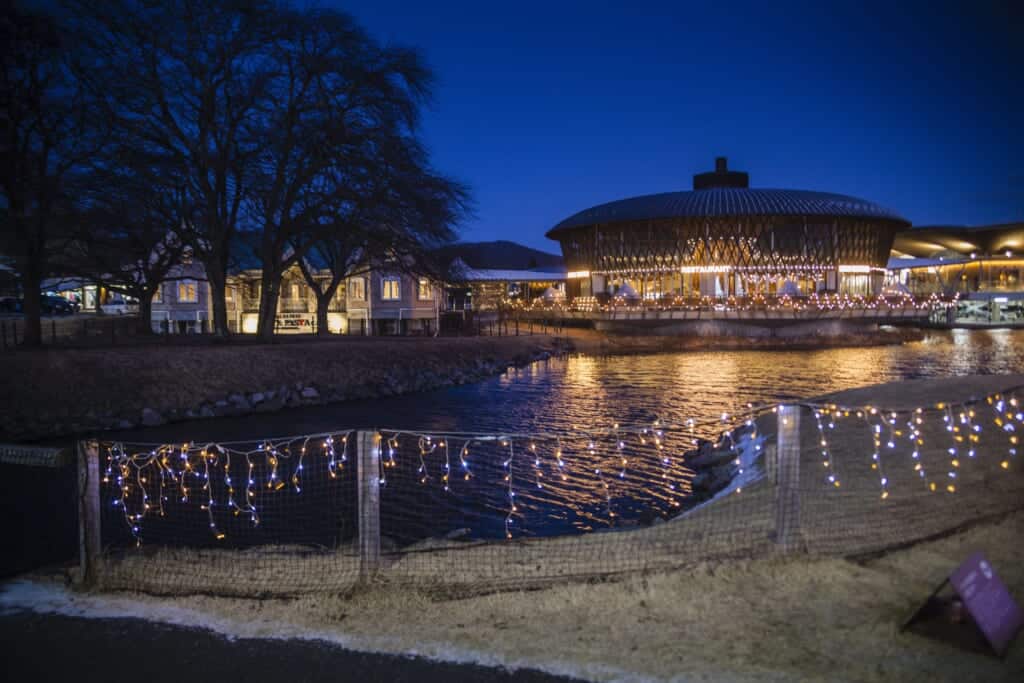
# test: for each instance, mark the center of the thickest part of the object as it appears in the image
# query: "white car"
(120, 307)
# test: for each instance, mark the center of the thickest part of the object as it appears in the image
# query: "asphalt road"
(41, 648)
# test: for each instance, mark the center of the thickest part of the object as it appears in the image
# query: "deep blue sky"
(547, 108)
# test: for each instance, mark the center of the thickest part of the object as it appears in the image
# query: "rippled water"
(585, 392)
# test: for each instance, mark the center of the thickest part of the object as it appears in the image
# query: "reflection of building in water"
(724, 239)
(983, 265)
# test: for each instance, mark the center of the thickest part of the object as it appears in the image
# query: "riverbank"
(50, 393)
(585, 340)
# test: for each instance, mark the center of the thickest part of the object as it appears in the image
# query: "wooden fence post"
(88, 511)
(787, 472)
(368, 473)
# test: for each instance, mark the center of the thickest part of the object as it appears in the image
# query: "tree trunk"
(31, 307)
(144, 324)
(323, 304)
(270, 291)
(218, 288)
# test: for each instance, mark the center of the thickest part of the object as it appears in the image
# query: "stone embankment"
(45, 394)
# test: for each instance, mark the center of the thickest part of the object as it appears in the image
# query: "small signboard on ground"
(980, 615)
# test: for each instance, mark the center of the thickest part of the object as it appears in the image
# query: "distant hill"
(500, 255)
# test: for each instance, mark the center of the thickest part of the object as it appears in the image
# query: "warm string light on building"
(142, 481)
(814, 302)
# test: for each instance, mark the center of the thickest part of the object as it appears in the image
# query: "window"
(188, 292)
(357, 289)
(158, 295)
(424, 292)
(296, 290)
(390, 289)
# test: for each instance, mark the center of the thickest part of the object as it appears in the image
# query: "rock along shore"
(51, 393)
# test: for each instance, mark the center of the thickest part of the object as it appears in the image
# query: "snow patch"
(749, 452)
(51, 598)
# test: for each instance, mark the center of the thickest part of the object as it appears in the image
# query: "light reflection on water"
(586, 392)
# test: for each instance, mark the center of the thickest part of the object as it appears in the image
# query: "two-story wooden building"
(386, 300)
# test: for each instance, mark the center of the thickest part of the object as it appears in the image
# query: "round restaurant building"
(724, 239)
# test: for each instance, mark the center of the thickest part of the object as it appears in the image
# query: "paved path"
(42, 648)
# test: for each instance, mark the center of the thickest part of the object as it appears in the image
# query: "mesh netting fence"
(470, 513)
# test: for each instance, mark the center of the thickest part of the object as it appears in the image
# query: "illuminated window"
(188, 292)
(390, 289)
(357, 289)
(424, 291)
(158, 295)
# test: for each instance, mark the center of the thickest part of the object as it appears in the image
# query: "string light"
(142, 480)
(826, 453)
(916, 442)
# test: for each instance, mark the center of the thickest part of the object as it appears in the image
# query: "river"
(615, 481)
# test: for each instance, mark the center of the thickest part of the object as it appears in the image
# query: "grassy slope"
(182, 376)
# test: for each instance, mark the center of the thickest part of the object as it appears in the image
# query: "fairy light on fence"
(536, 465)
(463, 460)
(512, 509)
(954, 462)
(136, 478)
(825, 452)
(876, 456)
(447, 465)
(916, 442)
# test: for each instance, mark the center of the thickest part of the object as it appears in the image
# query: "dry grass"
(771, 619)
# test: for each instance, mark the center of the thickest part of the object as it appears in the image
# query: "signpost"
(981, 615)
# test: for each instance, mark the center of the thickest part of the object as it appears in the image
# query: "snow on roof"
(499, 275)
(901, 263)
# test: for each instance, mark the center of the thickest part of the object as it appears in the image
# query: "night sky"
(547, 108)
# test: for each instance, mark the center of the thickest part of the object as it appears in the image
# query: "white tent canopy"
(626, 291)
(789, 288)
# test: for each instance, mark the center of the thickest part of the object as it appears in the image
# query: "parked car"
(120, 307)
(9, 304)
(55, 305)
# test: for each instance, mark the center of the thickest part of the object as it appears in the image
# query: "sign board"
(988, 601)
(992, 620)
(295, 322)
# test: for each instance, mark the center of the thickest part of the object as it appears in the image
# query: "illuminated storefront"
(982, 266)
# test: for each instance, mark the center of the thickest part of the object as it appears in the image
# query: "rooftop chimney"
(720, 177)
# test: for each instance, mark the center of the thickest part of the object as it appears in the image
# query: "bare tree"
(335, 97)
(126, 236)
(47, 133)
(399, 211)
(183, 79)
(337, 257)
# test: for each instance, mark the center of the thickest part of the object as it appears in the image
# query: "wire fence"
(71, 331)
(465, 513)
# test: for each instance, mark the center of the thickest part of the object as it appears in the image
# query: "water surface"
(610, 482)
